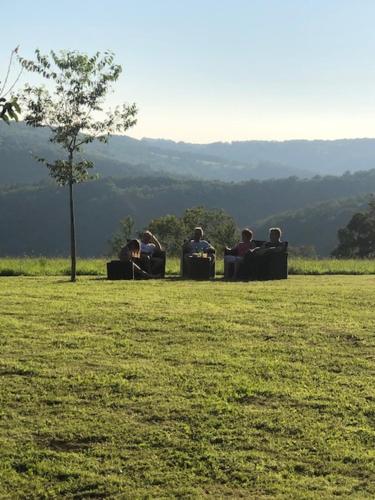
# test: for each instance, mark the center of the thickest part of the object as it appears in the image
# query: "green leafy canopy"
(9, 107)
(357, 239)
(73, 106)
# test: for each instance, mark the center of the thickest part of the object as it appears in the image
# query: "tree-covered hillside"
(315, 225)
(124, 155)
(319, 156)
(34, 219)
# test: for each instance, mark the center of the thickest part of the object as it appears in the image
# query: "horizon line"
(231, 141)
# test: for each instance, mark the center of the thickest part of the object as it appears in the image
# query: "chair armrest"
(230, 251)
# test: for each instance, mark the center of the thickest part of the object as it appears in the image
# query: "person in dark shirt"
(274, 244)
(274, 238)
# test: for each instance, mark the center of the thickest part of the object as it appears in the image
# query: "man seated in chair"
(273, 245)
(198, 245)
(150, 253)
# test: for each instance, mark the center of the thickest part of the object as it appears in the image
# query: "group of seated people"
(146, 254)
(247, 248)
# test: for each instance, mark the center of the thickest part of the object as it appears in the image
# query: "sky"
(220, 70)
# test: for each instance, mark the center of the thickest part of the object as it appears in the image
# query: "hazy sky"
(210, 70)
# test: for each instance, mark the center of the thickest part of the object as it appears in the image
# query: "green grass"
(29, 266)
(42, 266)
(165, 389)
(331, 266)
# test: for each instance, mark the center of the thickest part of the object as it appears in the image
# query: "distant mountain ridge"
(230, 162)
(124, 155)
(316, 156)
(148, 178)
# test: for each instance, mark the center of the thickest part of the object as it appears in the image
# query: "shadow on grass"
(13, 272)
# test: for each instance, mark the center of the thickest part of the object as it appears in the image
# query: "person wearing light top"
(197, 244)
(149, 243)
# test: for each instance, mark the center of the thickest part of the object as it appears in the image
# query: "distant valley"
(303, 186)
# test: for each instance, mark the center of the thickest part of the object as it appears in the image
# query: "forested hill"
(235, 161)
(34, 219)
(318, 156)
(123, 155)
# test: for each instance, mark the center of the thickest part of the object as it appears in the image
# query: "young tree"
(219, 227)
(73, 109)
(357, 239)
(171, 231)
(9, 107)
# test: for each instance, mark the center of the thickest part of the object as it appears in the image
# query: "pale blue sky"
(205, 70)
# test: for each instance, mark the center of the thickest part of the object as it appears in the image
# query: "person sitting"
(149, 243)
(273, 245)
(234, 256)
(198, 245)
(150, 248)
(131, 253)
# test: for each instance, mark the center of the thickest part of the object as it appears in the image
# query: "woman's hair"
(134, 247)
(248, 232)
(275, 230)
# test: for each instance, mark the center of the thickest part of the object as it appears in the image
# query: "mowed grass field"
(161, 389)
(42, 266)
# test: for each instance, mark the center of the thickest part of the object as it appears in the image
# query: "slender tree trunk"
(72, 227)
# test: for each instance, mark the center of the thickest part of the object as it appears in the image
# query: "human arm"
(208, 247)
(156, 242)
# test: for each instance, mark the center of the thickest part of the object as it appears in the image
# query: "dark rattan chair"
(197, 268)
(118, 270)
(270, 266)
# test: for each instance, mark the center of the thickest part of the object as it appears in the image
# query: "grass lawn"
(43, 266)
(172, 388)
